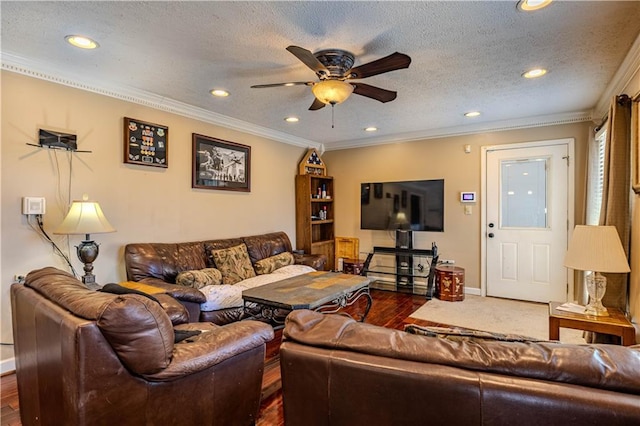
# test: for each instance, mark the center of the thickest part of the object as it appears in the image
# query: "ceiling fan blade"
(373, 92)
(393, 62)
(294, 83)
(316, 105)
(308, 59)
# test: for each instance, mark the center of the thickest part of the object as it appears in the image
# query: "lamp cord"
(55, 246)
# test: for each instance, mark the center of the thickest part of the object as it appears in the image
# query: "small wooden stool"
(449, 283)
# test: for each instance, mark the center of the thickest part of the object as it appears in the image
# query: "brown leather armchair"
(92, 358)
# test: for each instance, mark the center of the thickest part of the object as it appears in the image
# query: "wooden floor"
(389, 309)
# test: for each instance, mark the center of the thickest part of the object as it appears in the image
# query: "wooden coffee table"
(321, 291)
(616, 323)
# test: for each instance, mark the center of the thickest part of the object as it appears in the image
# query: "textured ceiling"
(465, 56)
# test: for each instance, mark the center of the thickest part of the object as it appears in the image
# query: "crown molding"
(36, 69)
(32, 68)
(621, 79)
(494, 126)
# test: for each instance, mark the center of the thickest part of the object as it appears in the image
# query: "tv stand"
(406, 274)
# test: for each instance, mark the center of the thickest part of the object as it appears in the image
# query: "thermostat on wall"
(467, 197)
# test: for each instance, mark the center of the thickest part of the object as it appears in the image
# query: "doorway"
(527, 199)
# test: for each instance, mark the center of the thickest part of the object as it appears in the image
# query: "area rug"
(495, 315)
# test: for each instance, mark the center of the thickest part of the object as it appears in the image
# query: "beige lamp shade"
(596, 248)
(332, 91)
(84, 217)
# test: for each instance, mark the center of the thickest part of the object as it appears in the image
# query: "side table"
(616, 323)
(449, 283)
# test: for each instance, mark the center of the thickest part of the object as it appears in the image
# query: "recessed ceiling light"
(535, 73)
(291, 119)
(472, 114)
(531, 5)
(371, 129)
(81, 42)
(220, 93)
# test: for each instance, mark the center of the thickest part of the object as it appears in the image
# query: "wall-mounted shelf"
(56, 140)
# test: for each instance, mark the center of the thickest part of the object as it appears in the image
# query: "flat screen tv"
(416, 205)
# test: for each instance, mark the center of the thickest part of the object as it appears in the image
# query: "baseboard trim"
(7, 366)
(474, 291)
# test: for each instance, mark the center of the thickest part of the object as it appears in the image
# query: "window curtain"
(615, 210)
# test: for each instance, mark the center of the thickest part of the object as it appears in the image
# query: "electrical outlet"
(18, 279)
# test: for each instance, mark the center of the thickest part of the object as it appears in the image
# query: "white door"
(527, 201)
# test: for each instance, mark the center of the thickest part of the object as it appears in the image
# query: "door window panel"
(523, 193)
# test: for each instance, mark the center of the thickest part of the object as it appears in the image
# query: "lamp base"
(596, 287)
(596, 309)
(87, 253)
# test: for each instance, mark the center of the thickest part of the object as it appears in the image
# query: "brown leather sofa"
(158, 264)
(93, 358)
(336, 371)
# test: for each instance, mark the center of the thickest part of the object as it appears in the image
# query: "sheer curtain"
(593, 196)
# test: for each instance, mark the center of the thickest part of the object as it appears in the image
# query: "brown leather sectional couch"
(336, 371)
(93, 358)
(158, 264)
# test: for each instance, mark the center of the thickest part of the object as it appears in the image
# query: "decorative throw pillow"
(466, 334)
(199, 278)
(233, 263)
(270, 264)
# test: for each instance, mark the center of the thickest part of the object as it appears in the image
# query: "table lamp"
(596, 249)
(85, 217)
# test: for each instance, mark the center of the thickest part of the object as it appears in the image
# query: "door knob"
(491, 225)
(490, 235)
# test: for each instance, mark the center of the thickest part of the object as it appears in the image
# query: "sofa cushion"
(270, 264)
(139, 332)
(266, 245)
(199, 278)
(233, 263)
(466, 334)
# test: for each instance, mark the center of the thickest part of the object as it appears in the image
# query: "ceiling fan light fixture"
(332, 91)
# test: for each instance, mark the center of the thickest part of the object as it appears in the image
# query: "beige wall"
(143, 203)
(433, 159)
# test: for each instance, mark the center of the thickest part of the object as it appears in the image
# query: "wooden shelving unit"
(315, 234)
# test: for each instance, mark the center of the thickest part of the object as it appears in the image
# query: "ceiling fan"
(334, 70)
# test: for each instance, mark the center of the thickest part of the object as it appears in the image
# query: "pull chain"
(332, 105)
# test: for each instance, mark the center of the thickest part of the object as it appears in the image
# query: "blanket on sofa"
(230, 296)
